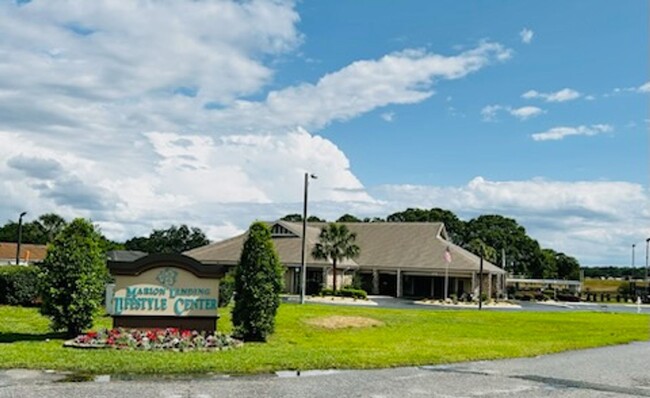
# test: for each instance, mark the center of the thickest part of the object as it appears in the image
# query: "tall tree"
(348, 218)
(175, 239)
(523, 254)
(258, 283)
(567, 267)
(295, 217)
(336, 243)
(51, 224)
(31, 233)
(72, 278)
(550, 263)
(298, 218)
(454, 226)
(479, 248)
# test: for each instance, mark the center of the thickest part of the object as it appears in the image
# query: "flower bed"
(170, 339)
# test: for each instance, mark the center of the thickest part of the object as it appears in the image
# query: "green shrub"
(72, 277)
(226, 289)
(17, 285)
(258, 283)
(346, 292)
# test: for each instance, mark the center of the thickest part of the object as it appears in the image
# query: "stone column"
(326, 284)
(398, 290)
(489, 286)
(375, 281)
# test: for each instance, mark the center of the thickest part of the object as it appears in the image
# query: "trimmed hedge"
(18, 285)
(346, 292)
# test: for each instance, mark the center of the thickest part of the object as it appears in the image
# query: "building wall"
(343, 278)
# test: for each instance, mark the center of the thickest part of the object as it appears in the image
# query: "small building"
(542, 284)
(29, 253)
(396, 259)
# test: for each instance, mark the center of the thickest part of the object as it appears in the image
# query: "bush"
(72, 278)
(568, 297)
(17, 285)
(226, 289)
(258, 283)
(346, 292)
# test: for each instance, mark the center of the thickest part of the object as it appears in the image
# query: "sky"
(143, 114)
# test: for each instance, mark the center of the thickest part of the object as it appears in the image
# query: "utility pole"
(632, 292)
(480, 284)
(647, 286)
(20, 236)
(505, 277)
(303, 264)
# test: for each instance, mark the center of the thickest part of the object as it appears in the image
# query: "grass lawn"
(407, 337)
(603, 285)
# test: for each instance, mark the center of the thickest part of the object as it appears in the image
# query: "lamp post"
(632, 276)
(303, 265)
(20, 236)
(647, 286)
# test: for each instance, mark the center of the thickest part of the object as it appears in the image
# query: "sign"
(165, 291)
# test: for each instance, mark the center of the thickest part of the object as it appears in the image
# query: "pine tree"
(258, 283)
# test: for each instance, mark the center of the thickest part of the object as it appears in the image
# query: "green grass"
(603, 286)
(408, 337)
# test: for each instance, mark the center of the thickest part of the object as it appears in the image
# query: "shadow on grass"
(17, 337)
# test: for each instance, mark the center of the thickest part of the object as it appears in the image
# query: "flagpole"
(447, 261)
(446, 280)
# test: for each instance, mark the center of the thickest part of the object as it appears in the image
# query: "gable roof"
(35, 252)
(385, 245)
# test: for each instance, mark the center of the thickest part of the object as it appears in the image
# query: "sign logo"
(167, 277)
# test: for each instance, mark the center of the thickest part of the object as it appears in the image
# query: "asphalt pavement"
(616, 371)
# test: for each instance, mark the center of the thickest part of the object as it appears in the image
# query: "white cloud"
(195, 179)
(644, 88)
(489, 113)
(399, 78)
(592, 220)
(526, 35)
(526, 112)
(132, 113)
(558, 133)
(566, 94)
(388, 116)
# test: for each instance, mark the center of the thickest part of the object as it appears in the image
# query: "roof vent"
(278, 231)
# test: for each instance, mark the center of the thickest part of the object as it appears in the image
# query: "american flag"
(447, 255)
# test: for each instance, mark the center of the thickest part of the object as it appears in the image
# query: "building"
(29, 253)
(396, 259)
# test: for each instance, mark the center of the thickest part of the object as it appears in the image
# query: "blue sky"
(139, 115)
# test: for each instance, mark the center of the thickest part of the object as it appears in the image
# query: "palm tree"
(336, 244)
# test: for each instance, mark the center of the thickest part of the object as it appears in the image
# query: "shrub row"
(18, 285)
(346, 292)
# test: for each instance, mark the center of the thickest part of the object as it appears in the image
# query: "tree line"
(491, 236)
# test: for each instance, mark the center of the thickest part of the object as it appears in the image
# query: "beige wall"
(341, 280)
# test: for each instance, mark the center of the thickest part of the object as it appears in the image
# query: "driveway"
(402, 303)
(617, 371)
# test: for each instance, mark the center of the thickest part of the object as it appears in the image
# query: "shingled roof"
(28, 251)
(383, 245)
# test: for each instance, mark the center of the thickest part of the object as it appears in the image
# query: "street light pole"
(647, 286)
(632, 276)
(20, 236)
(303, 265)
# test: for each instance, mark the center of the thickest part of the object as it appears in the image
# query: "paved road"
(619, 371)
